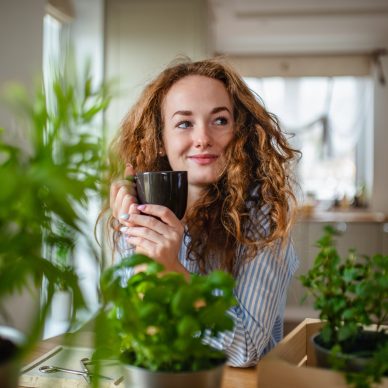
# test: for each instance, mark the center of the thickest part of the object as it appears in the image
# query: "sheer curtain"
(329, 118)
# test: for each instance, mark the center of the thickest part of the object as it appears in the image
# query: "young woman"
(201, 117)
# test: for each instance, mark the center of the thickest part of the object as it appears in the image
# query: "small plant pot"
(144, 378)
(10, 341)
(356, 355)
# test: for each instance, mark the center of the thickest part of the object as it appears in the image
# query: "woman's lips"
(203, 159)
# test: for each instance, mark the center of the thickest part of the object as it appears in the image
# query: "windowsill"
(342, 215)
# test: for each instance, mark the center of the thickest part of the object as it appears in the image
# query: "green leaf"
(221, 279)
(148, 313)
(347, 331)
(188, 326)
(183, 301)
(135, 260)
(161, 294)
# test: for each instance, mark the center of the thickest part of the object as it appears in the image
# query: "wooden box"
(292, 363)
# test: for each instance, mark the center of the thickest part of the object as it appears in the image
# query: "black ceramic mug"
(166, 188)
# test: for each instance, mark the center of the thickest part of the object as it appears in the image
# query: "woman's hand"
(123, 198)
(159, 237)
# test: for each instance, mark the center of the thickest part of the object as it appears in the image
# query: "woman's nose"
(202, 137)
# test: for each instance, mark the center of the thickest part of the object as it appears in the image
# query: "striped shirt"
(260, 290)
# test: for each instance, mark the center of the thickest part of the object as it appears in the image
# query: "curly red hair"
(258, 157)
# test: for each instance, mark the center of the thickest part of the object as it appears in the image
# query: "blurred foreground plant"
(160, 321)
(46, 180)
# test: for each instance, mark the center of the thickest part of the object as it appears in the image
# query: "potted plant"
(10, 342)
(158, 324)
(350, 294)
(46, 179)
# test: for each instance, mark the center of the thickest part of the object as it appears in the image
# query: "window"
(73, 39)
(331, 120)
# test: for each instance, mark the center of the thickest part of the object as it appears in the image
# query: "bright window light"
(331, 119)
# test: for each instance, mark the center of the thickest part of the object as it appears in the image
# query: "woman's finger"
(123, 212)
(118, 201)
(151, 223)
(124, 198)
(118, 185)
(114, 189)
(129, 171)
(145, 233)
(124, 186)
(161, 212)
(144, 246)
(125, 217)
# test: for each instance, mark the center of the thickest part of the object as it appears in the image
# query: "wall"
(21, 24)
(21, 28)
(379, 200)
(87, 34)
(144, 36)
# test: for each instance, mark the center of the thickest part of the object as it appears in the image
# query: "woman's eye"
(221, 121)
(184, 124)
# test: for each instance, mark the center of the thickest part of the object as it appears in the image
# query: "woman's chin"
(204, 177)
(202, 180)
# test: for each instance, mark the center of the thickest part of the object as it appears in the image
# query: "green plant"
(159, 321)
(46, 180)
(62, 252)
(350, 293)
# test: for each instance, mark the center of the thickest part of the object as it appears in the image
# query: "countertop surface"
(232, 377)
(351, 215)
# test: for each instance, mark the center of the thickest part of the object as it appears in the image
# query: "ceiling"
(252, 27)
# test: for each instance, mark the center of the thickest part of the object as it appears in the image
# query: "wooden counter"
(233, 377)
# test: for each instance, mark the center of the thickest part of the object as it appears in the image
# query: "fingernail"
(124, 216)
(141, 207)
(123, 229)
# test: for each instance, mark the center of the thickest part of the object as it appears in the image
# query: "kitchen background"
(320, 66)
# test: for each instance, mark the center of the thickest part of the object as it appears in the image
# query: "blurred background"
(321, 67)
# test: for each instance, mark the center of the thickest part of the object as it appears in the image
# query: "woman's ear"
(162, 151)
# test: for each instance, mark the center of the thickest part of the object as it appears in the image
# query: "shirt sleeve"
(261, 290)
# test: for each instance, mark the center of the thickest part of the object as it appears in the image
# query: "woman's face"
(198, 125)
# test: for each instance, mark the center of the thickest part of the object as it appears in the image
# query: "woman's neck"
(194, 193)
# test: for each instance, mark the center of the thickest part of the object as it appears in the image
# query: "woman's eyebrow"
(220, 109)
(189, 112)
(182, 113)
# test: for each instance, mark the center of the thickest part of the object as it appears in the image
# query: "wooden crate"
(292, 363)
